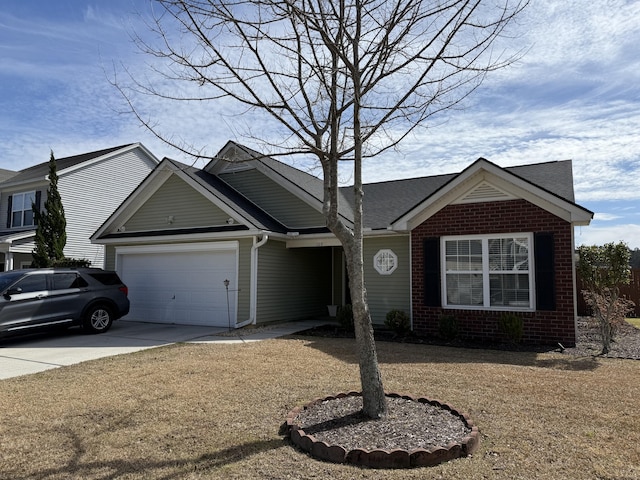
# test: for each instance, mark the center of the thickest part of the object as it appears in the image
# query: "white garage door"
(183, 287)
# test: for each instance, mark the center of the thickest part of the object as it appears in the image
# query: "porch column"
(8, 261)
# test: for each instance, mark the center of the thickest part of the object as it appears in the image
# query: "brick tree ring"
(417, 432)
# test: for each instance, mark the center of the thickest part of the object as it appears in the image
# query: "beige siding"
(388, 292)
(175, 198)
(110, 258)
(292, 283)
(276, 200)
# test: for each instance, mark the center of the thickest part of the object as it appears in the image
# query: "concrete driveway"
(36, 353)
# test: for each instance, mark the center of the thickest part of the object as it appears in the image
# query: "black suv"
(32, 299)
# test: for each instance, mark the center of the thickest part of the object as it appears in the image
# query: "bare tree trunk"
(373, 397)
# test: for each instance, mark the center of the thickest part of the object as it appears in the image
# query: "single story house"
(91, 186)
(243, 241)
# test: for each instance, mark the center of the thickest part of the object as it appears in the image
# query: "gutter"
(253, 295)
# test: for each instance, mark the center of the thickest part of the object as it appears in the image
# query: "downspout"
(253, 294)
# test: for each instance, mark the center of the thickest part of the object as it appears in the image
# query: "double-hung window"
(21, 209)
(492, 271)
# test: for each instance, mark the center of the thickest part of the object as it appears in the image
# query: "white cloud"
(605, 217)
(629, 233)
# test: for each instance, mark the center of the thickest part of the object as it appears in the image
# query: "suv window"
(106, 278)
(62, 281)
(32, 283)
(8, 278)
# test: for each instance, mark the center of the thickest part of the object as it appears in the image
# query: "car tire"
(98, 319)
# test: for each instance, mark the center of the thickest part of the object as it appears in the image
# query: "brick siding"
(514, 216)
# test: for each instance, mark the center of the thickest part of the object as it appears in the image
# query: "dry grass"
(634, 321)
(213, 412)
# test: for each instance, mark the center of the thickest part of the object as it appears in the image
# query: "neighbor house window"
(385, 262)
(21, 209)
(488, 271)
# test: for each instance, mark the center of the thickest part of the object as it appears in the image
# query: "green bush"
(72, 262)
(512, 326)
(344, 315)
(398, 321)
(447, 327)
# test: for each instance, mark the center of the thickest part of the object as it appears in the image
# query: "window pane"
(509, 254)
(28, 217)
(32, 283)
(464, 289)
(16, 219)
(63, 281)
(509, 290)
(18, 202)
(463, 255)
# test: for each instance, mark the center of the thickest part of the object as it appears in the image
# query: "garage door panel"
(181, 287)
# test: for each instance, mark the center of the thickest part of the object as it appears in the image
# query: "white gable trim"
(481, 174)
(102, 158)
(151, 185)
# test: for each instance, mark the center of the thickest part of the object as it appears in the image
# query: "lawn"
(213, 412)
(634, 321)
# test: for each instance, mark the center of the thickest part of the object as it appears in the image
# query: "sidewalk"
(262, 333)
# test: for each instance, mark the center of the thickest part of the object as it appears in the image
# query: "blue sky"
(575, 95)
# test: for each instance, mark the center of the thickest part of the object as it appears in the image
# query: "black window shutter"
(37, 204)
(431, 256)
(545, 271)
(10, 204)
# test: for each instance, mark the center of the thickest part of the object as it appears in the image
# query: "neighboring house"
(244, 241)
(91, 186)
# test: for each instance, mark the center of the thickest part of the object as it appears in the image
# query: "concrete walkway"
(36, 353)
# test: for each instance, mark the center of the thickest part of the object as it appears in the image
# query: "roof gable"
(308, 188)
(66, 165)
(484, 181)
(227, 203)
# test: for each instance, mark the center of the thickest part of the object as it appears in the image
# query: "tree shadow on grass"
(411, 353)
(166, 469)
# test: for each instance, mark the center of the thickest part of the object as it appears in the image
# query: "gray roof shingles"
(384, 202)
(41, 170)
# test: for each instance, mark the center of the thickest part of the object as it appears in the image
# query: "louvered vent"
(485, 192)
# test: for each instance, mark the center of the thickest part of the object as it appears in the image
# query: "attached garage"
(181, 283)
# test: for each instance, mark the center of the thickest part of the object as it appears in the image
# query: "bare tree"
(344, 79)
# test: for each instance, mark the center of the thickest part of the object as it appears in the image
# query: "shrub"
(447, 327)
(344, 315)
(71, 262)
(398, 321)
(512, 326)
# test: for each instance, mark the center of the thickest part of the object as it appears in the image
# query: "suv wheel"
(98, 319)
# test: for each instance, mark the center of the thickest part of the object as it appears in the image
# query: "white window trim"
(13, 209)
(485, 273)
(386, 252)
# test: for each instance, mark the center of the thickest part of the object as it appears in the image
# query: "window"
(32, 283)
(64, 281)
(488, 271)
(385, 262)
(21, 209)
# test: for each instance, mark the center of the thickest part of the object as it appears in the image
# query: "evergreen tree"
(51, 225)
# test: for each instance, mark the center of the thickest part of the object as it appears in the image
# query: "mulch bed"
(408, 425)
